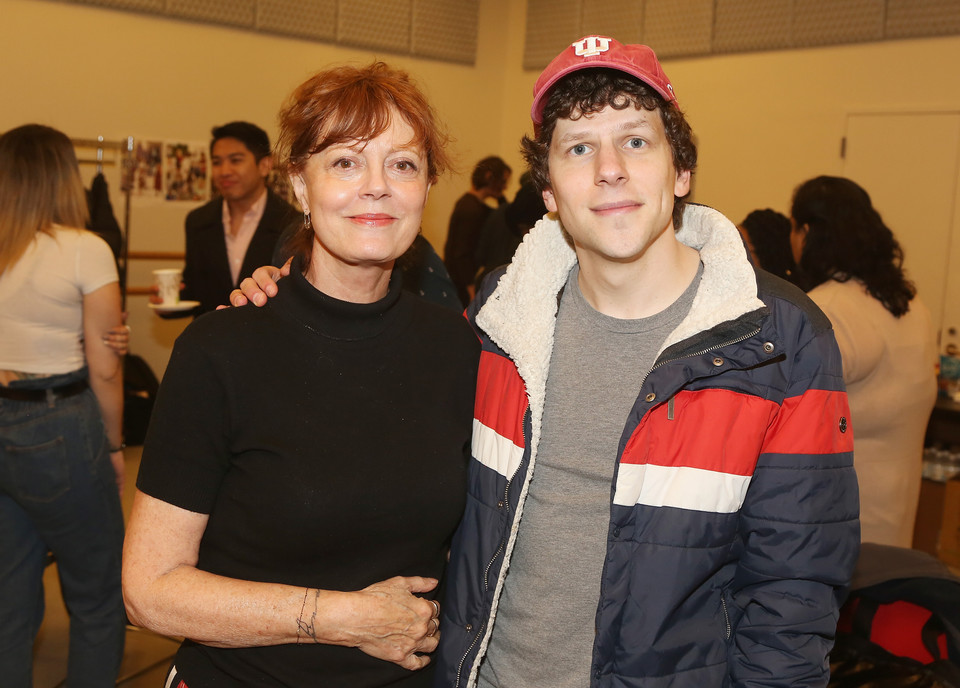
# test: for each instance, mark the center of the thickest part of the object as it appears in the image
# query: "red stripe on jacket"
(501, 397)
(712, 429)
(818, 422)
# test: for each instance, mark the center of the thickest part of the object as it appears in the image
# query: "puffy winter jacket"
(733, 519)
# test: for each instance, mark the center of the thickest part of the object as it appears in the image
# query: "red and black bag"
(901, 632)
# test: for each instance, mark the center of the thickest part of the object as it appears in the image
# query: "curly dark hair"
(846, 238)
(769, 232)
(489, 172)
(590, 90)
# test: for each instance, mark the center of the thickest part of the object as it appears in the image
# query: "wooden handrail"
(140, 291)
(155, 255)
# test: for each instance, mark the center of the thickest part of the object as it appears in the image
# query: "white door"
(909, 163)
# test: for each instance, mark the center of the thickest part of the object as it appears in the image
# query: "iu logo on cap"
(591, 46)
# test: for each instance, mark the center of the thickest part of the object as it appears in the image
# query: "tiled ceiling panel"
(828, 22)
(375, 24)
(231, 12)
(445, 30)
(552, 25)
(743, 25)
(678, 27)
(136, 5)
(307, 18)
(621, 19)
(909, 18)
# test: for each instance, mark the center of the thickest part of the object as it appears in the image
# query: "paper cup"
(168, 284)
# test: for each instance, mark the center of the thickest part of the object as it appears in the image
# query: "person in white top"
(853, 267)
(61, 412)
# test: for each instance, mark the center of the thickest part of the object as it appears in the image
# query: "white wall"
(764, 121)
(91, 71)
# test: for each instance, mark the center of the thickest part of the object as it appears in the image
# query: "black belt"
(68, 390)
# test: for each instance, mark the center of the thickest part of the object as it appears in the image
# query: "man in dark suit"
(227, 238)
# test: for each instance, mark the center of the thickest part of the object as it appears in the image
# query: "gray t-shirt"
(544, 629)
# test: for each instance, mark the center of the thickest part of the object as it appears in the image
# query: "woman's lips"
(373, 219)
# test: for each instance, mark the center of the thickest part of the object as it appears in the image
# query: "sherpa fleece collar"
(520, 314)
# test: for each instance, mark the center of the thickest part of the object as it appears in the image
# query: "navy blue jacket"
(733, 518)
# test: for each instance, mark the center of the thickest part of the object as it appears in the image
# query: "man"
(662, 490)
(490, 177)
(506, 226)
(231, 235)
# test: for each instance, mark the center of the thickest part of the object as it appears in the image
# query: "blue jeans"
(58, 493)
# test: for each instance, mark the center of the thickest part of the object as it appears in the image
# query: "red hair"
(350, 103)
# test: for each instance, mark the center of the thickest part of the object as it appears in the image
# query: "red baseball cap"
(601, 51)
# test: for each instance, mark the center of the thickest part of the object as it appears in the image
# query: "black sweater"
(328, 441)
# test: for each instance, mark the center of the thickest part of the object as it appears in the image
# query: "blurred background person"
(767, 236)
(61, 410)
(506, 226)
(854, 267)
(300, 543)
(489, 179)
(237, 230)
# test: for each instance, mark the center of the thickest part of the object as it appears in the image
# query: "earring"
(306, 220)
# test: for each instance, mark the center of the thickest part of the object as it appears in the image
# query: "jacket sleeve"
(799, 524)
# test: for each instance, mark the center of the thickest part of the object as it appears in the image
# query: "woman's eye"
(405, 166)
(343, 164)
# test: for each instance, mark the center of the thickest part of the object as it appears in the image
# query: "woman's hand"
(261, 286)
(385, 620)
(165, 592)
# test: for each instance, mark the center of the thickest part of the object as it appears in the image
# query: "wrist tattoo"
(307, 627)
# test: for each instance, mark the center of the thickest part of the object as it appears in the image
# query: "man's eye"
(636, 143)
(579, 149)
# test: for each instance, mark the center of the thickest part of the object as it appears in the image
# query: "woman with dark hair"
(767, 236)
(299, 542)
(855, 268)
(61, 411)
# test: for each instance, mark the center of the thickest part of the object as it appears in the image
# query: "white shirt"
(41, 300)
(239, 242)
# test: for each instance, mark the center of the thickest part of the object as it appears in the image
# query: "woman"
(767, 236)
(305, 465)
(886, 339)
(61, 409)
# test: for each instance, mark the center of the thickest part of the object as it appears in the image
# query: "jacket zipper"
(486, 570)
(753, 333)
(464, 658)
(726, 615)
(698, 353)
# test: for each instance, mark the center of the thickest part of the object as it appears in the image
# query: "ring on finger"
(436, 627)
(436, 608)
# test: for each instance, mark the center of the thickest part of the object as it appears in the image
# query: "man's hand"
(260, 287)
(154, 296)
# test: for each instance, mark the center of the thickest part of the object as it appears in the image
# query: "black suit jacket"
(206, 272)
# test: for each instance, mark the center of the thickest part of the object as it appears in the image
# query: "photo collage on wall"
(178, 171)
(168, 170)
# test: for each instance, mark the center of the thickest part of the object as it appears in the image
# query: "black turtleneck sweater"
(328, 441)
